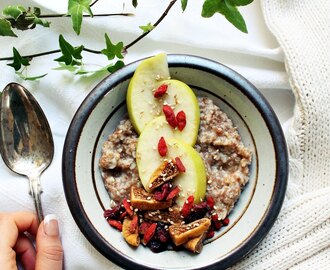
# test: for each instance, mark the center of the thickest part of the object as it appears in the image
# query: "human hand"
(14, 243)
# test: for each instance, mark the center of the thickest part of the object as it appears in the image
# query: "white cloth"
(300, 237)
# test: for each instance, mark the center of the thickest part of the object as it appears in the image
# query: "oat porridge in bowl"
(191, 176)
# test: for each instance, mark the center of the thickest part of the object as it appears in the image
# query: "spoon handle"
(35, 189)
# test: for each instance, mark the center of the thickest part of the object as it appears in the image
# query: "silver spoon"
(26, 142)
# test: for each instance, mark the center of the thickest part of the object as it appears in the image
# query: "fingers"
(25, 251)
(48, 245)
(12, 225)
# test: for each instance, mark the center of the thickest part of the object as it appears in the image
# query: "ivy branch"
(18, 17)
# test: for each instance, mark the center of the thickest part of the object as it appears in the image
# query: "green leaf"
(112, 50)
(118, 65)
(23, 19)
(36, 14)
(134, 3)
(76, 8)
(231, 13)
(210, 7)
(5, 28)
(240, 2)
(184, 4)
(147, 28)
(14, 11)
(18, 61)
(70, 55)
(39, 21)
(28, 78)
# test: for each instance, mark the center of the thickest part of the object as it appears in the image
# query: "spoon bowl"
(26, 142)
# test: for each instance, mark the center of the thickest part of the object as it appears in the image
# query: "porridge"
(117, 163)
(225, 157)
(218, 142)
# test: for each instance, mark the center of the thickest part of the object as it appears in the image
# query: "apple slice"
(143, 106)
(140, 90)
(192, 181)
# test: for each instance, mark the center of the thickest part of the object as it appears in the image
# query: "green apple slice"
(192, 181)
(140, 90)
(143, 106)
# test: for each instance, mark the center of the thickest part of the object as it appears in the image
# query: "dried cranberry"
(225, 222)
(162, 192)
(156, 246)
(203, 206)
(197, 212)
(215, 222)
(162, 235)
(114, 212)
(210, 234)
(210, 201)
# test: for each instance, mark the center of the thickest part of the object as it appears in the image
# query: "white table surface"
(256, 55)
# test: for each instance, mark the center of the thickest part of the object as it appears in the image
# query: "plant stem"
(154, 25)
(95, 51)
(30, 56)
(85, 15)
(92, 4)
(91, 51)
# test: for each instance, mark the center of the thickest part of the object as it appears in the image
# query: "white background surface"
(256, 55)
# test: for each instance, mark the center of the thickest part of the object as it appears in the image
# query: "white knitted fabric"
(300, 238)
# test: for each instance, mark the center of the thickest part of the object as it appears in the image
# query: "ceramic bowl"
(255, 211)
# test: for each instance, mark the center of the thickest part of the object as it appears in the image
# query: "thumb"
(48, 245)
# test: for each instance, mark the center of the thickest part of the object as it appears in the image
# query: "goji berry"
(161, 90)
(175, 191)
(122, 215)
(116, 224)
(134, 224)
(149, 233)
(225, 222)
(127, 207)
(187, 206)
(180, 165)
(143, 227)
(170, 116)
(181, 120)
(162, 147)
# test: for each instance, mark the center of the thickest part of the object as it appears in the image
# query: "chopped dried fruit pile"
(142, 219)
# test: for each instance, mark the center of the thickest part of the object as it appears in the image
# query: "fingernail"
(51, 225)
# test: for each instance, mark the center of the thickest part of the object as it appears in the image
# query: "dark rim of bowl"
(193, 62)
